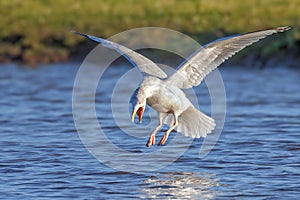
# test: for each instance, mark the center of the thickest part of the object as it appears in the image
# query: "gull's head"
(141, 95)
(148, 87)
(138, 110)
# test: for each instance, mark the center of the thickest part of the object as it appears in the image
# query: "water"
(42, 156)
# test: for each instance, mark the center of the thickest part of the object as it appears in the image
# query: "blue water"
(42, 156)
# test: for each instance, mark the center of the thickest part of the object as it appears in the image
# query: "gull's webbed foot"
(151, 141)
(164, 139)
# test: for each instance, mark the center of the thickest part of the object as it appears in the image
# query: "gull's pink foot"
(163, 139)
(151, 141)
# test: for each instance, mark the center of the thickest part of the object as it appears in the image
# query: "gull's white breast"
(168, 99)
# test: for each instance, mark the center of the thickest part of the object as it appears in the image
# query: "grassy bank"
(39, 31)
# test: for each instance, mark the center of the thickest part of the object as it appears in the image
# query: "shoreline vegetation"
(34, 32)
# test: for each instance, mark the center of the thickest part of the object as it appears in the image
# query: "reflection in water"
(181, 185)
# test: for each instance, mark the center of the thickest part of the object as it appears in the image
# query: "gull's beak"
(139, 113)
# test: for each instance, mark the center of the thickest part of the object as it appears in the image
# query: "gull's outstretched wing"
(207, 58)
(144, 64)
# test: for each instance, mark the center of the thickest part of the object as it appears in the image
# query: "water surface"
(257, 155)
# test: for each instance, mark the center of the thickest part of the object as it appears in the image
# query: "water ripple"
(257, 156)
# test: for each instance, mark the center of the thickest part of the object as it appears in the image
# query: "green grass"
(36, 31)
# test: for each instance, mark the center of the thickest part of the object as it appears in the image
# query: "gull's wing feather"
(144, 64)
(207, 58)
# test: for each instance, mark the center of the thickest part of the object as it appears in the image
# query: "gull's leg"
(151, 140)
(166, 135)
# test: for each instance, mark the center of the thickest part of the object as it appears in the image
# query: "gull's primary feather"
(207, 58)
(144, 64)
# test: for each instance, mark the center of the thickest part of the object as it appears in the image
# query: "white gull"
(164, 94)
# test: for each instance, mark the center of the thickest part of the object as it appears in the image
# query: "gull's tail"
(193, 123)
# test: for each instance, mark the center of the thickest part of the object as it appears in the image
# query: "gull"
(165, 94)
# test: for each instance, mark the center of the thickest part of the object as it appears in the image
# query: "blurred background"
(35, 32)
